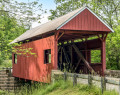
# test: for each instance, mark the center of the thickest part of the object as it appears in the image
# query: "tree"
(9, 30)
(25, 13)
(108, 10)
(113, 49)
(15, 19)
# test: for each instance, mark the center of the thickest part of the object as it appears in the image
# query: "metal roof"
(53, 25)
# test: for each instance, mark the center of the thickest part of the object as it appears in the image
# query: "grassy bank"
(61, 88)
(66, 88)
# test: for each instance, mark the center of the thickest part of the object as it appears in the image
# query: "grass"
(60, 88)
(66, 88)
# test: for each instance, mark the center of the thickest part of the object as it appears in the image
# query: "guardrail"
(103, 82)
(5, 68)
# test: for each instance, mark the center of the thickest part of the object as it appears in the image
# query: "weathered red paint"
(33, 68)
(97, 67)
(85, 21)
(103, 57)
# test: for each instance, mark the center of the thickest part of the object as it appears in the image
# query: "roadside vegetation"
(17, 17)
(59, 88)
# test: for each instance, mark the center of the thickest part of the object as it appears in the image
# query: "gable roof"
(55, 24)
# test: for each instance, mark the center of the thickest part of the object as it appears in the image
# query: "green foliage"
(66, 88)
(6, 63)
(60, 88)
(113, 49)
(2, 92)
(108, 10)
(9, 30)
(25, 13)
(15, 19)
(95, 56)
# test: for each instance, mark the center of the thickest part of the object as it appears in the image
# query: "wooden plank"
(84, 32)
(70, 74)
(74, 79)
(112, 82)
(77, 35)
(71, 55)
(83, 59)
(57, 34)
(89, 80)
(59, 48)
(119, 87)
(99, 37)
(77, 65)
(65, 76)
(105, 36)
(61, 61)
(60, 36)
(66, 55)
(82, 76)
(69, 38)
(96, 78)
(103, 84)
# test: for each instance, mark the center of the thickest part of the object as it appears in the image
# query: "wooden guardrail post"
(103, 84)
(65, 76)
(74, 79)
(119, 87)
(89, 80)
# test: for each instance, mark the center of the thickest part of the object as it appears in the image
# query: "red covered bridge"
(65, 42)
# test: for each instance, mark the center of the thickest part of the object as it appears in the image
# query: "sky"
(46, 4)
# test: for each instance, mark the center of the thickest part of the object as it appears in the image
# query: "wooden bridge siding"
(33, 68)
(97, 67)
(85, 21)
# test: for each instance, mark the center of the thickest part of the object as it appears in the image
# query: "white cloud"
(43, 20)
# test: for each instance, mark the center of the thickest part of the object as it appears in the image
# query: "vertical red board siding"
(33, 68)
(85, 21)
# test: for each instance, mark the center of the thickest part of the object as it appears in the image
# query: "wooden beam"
(57, 34)
(56, 54)
(60, 36)
(83, 59)
(105, 36)
(69, 38)
(66, 57)
(103, 57)
(86, 49)
(71, 55)
(59, 48)
(77, 65)
(85, 32)
(100, 37)
(61, 60)
(77, 35)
